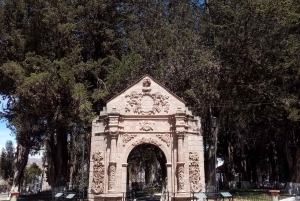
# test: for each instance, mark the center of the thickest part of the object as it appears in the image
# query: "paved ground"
(3, 197)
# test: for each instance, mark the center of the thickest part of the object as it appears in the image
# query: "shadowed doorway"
(146, 171)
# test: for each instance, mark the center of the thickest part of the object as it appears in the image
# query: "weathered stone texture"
(145, 113)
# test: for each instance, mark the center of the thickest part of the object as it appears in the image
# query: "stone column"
(169, 177)
(113, 131)
(112, 164)
(125, 184)
(113, 148)
(180, 164)
(180, 125)
(180, 157)
(111, 176)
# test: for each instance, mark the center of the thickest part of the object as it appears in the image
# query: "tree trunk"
(296, 168)
(20, 165)
(244, 166)
(230, 166)
(58, 158)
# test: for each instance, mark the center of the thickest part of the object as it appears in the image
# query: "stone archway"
(148, 113)
(146, 165)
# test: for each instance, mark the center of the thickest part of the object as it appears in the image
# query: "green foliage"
(60, 61)
(32, 177)
(7, 162)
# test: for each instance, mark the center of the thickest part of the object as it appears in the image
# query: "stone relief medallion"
(147, 125)
(127, 138)
(165, 138)
(146, 103)
(111, 176)
(98, 173)
(180, 176)
(194, 172)
(146, 141)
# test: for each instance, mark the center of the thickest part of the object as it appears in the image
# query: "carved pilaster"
(180, 147)
(180, 177)
(194, 172)
(111, 176)
(180, 121)
(113, 123)
(113, 146)
(98, 173)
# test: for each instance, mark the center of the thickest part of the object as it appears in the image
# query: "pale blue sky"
(5, 133)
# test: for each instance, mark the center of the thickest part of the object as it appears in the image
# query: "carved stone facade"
(111, 176)
(147, 125)
(165, 138)
(194, 172)
(180, 176)
(145, 113)
(98, 173)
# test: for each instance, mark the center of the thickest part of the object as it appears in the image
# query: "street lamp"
(214, 122)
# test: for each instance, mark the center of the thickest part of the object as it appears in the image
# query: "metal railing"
(49, 196)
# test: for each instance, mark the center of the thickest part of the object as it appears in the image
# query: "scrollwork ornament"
(146, 141)
(127, 138)
(134, 103)
(165, 138)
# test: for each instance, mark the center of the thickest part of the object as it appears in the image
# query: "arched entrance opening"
(146, 170)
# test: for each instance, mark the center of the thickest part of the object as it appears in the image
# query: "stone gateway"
(145, 113)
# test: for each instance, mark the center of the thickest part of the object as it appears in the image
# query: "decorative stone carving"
(146, 125)
(180, 177)
(146, 82)
(98, 173)
(194, 172)
(193, 126)
(181, 134)
(127, 138)
(113, 120)
(146, 85)
(180, 121)
(146, 141)
(111, 176)
(134, 103)
(165, 138)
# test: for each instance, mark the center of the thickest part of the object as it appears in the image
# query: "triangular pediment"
(145, 97)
